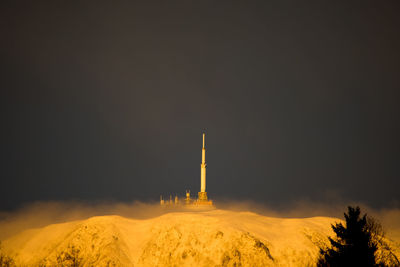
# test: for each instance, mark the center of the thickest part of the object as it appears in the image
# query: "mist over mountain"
(165, 237)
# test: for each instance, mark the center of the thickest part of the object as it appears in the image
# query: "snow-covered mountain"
(207, 238)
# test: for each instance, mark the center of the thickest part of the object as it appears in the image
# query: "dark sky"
(107, 101)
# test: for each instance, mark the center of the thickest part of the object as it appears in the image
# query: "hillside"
(208, 238)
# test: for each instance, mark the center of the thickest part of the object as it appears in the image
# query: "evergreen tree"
(353, 245)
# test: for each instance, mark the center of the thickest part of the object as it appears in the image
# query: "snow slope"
(207, 238)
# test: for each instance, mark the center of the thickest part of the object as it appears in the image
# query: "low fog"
(39, 214)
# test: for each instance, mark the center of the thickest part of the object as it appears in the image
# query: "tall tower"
(203, 193)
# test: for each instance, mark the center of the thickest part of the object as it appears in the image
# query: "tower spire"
(203, 166)
(203, 193)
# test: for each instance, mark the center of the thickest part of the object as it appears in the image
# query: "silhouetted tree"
(353, 245)
(384, 256)
(361, 242)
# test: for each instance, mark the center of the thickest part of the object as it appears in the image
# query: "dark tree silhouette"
(361, 242)
(384, 256)
(353, 245)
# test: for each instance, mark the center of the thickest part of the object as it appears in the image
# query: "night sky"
(108, 100)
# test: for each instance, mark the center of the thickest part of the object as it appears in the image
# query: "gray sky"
(108, 101)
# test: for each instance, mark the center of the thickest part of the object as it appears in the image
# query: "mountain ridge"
(206, 238)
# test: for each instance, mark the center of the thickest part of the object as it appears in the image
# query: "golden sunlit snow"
(209, 238)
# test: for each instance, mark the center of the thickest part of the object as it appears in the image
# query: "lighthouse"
(202, 196)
